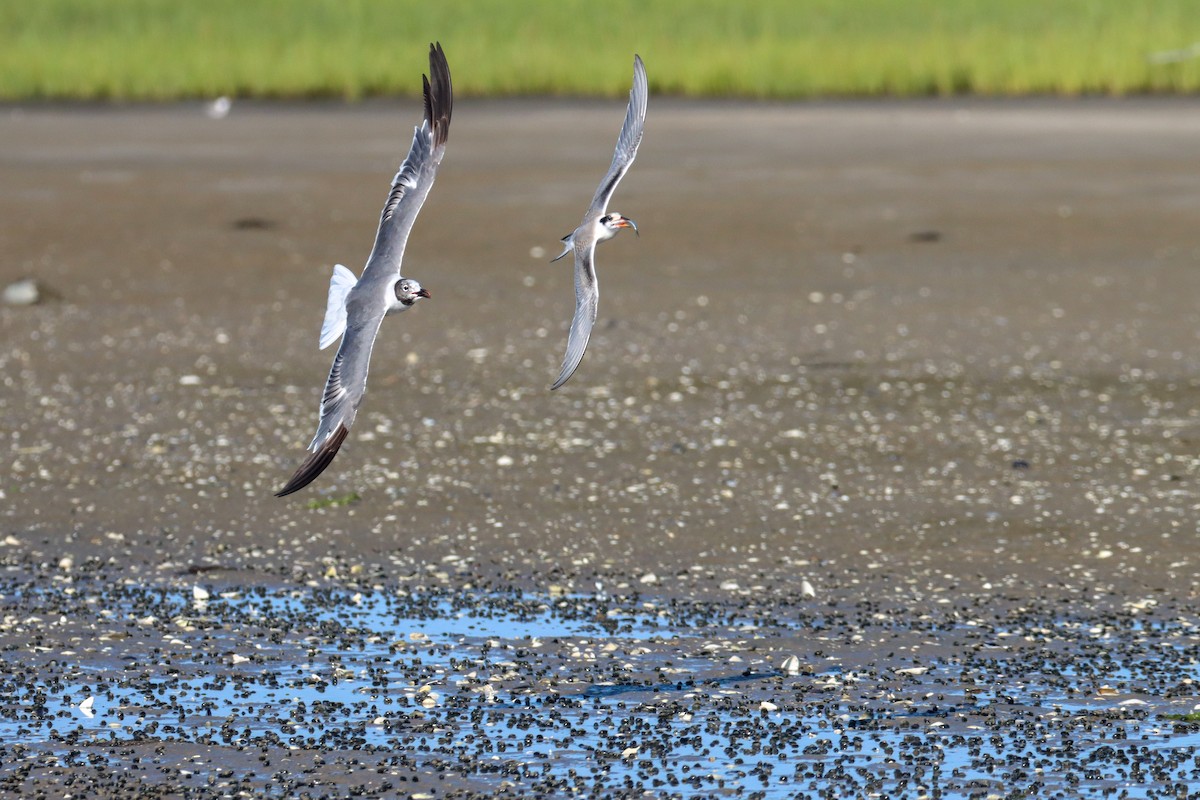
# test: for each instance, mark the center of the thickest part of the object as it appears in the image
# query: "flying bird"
(599, 225)
(357, 306)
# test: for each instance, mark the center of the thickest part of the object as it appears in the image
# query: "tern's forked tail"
(568, 245)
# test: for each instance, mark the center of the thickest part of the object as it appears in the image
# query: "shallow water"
(572, 693)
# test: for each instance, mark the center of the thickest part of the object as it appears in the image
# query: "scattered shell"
(807, 590)
(790, 666)
(912, 671)
(199, 593)
(24, 292)
(218, 108)
(86, 706)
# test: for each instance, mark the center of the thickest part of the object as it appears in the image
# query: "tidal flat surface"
(905, 391)
(285, 692)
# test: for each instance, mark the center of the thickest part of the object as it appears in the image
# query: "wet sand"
(937, 360)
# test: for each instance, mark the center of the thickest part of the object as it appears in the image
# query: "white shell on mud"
(912, 671)
(24, 292)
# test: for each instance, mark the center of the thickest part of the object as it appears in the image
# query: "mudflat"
(906, 390)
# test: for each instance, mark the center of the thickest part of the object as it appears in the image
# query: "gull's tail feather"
(315, 464)
(340, 284)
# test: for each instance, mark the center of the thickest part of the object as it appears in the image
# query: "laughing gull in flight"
(599, 225)
(357, 306)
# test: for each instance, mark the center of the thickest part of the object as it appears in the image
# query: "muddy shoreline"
(936, 359)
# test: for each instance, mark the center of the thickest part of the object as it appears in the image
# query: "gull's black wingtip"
(439, 94)
(315, 464)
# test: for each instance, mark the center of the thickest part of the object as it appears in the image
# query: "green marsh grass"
(168, 49)
(334, 502)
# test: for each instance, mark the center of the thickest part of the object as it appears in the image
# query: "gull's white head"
(408, 290)
(612, 222)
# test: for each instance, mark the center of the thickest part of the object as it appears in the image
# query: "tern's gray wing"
(627, 142)
(587, 294)
(415, 177)
(344, 390)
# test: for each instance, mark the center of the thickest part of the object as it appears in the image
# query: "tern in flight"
(599, 224)
(357, 306)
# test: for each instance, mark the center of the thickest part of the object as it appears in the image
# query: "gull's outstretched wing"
(587, 294)
(627, 142)
(344, 390)
(415, 177)
(368, 301)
